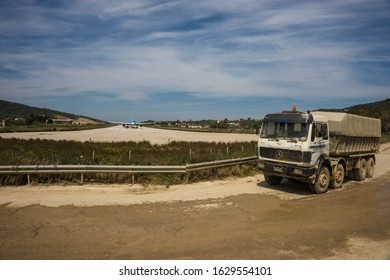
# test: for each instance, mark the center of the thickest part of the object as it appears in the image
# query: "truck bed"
(351, 134)
(341, 145)
(351, 125)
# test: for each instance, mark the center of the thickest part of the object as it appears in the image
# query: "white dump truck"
(319, 148)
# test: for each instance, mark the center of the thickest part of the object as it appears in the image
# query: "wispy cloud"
(137, 50)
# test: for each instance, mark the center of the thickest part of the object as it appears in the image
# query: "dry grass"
(48, 152)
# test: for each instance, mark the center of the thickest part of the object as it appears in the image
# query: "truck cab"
(289, 145)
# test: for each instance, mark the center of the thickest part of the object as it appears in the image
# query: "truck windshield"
(284, 130)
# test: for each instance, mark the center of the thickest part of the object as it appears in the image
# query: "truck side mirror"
(313, 133)
(324, 131)
(257, 129)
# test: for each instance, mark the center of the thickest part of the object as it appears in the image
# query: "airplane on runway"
(132, 124)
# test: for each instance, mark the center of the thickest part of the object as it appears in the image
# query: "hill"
(11, 111)
(379, 110)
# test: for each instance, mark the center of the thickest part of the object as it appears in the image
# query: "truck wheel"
(272, 179)
(360, 173)
(338, 177)
(370, 167)
(322, 181)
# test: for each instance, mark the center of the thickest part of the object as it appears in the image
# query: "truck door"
(319, 140)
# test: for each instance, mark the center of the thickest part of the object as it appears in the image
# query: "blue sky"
(185, 59)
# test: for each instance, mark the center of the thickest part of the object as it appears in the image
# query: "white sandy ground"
(121, 194)
(119, 134)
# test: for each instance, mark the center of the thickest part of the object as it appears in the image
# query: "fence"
(131, 169)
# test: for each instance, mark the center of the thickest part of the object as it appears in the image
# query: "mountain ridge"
(13, 110)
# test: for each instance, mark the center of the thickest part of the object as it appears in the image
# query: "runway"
(121, 134)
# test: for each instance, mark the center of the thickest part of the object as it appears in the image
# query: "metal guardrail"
(220, 163)
(131, 169)
(52, 169)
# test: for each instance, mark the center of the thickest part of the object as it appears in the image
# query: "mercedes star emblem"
(279, 154)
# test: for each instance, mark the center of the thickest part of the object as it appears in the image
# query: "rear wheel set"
(365, 170)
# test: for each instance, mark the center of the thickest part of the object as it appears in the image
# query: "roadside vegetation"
(49, 152)
(247, 126)
(385, 138)
(42, 127)
(210, 129)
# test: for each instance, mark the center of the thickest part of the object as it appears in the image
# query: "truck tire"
(272, 179)
(360, 173)
(322, 181)
(370, 167)
(338, 177)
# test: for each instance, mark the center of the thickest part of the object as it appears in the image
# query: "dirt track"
(236, 219)
(352, 223)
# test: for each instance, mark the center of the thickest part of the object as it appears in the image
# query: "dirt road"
(236, 219)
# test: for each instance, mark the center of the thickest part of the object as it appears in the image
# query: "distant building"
(78, 123)
(194, 126)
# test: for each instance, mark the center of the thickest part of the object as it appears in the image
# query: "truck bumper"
(304, 174)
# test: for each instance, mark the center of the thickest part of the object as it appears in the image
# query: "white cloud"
(251, 48)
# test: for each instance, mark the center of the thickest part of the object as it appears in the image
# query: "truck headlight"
(298, 171)
(261, 165)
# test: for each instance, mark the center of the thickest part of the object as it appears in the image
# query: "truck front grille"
(285, 155)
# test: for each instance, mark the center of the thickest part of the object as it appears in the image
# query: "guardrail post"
(82, 178)
(28, 180)
(132, 178)
(187, 174)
